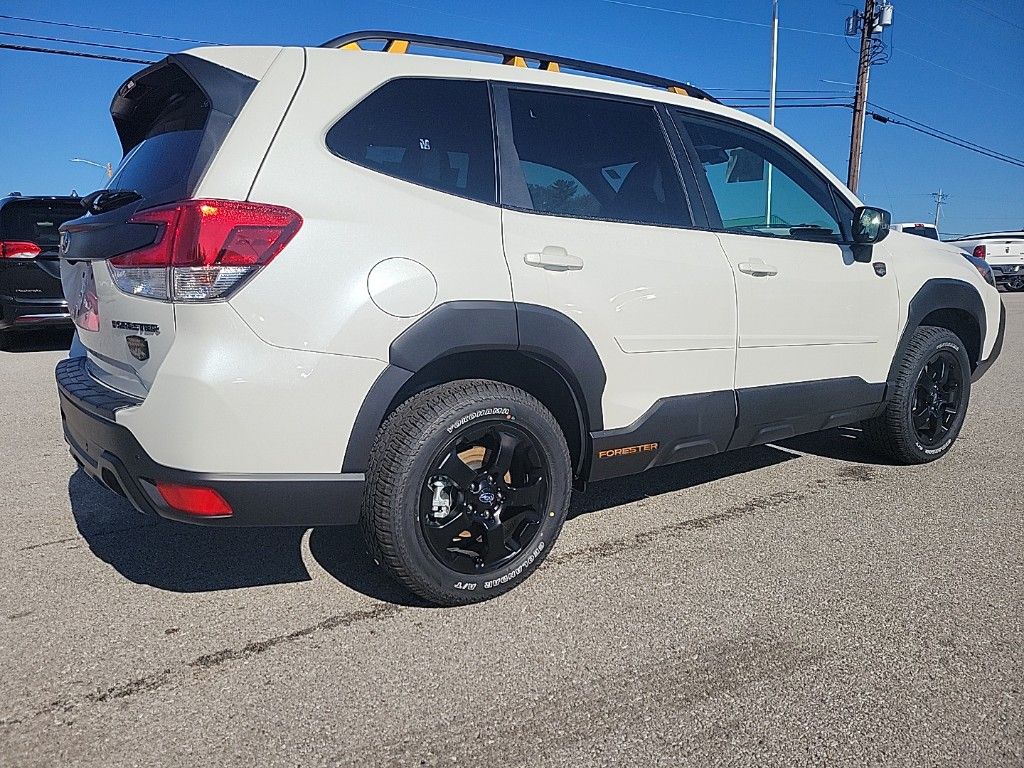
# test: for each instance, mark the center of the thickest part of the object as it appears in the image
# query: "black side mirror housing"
(870, 225)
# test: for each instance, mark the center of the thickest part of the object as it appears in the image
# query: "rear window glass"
(36, 221)
(162, 122)
(436, 133)
(159, 164)
(595, 158)
(928, 232)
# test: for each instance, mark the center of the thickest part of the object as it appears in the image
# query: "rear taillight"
(17, 249)
(979, 251)
(193, 499)
(204, 249)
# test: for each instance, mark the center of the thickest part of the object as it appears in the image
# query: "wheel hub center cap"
(486, 492)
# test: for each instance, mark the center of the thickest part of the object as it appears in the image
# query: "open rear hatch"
(171, 119)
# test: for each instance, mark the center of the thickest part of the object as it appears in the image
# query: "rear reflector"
(194, 500)
(979, 251)
(204, 249)
(17, 249)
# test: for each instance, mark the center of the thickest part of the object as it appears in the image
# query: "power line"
(944, 133)
(953, 71)
(745, 22)
(81, 54)
(994, 15)
(107, 29)
(82, 42)
(991, 153)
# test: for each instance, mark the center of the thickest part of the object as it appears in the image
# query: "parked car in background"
(921, 230)
(30, 289)
(1004, 252)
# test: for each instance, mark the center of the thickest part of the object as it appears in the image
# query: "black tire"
(422, 437)
(923, 416)
(1015, 285)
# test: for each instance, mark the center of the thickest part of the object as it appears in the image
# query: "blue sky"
(957, 65)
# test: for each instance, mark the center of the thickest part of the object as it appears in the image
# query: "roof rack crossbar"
(399, 42)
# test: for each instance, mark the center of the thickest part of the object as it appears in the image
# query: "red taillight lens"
(17, 249)
(204, 249)
(195, 500)
(979, 251)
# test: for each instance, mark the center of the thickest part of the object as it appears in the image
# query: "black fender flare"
(937, 294)
(474, 326)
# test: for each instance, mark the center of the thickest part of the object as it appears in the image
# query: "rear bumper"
(33, 313)
(108, 452)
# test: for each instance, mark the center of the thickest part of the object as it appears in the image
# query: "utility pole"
(871, 22)
(940, 200)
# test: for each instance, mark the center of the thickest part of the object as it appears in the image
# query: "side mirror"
(870, 225)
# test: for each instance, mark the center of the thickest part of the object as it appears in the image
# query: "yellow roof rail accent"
(399, 42)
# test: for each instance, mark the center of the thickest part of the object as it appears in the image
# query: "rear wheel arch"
(533, 348)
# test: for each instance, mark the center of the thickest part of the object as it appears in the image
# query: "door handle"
(757, 268)
(554, 257)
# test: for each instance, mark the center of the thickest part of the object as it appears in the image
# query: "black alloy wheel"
(937, 397)
(484, 497)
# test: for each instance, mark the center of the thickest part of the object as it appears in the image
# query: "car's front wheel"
(928, 403)
(467, 490)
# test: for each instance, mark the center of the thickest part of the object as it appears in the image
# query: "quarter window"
(759, 187)
(595, 158)
(436, 133)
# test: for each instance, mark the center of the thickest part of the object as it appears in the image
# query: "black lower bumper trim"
(109, 453)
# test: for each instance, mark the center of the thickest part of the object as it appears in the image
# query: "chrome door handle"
(757, 268)
(554, 257)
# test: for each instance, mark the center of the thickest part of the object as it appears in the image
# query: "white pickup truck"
(1004, 252)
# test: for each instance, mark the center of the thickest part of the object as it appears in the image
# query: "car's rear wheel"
(467, 490)
(1015, 284)
(928, 404)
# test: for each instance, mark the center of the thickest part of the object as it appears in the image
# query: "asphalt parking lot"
(790, 605)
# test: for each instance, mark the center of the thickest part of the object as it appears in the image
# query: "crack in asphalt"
(156, 680)
(844, 476)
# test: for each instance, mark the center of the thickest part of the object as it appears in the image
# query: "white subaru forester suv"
(432, 294)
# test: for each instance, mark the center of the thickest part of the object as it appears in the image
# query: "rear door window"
(436, 133)
(37, 221)
(595, 158)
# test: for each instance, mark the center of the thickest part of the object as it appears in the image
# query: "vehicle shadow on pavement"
(49, 340)
(179, 557)
(675, 477)
(843, 443)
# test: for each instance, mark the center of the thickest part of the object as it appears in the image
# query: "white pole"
(771, 103)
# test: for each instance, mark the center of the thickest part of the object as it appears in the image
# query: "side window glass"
(596, 158)
(553, 190)
(759, 187)
(436, 133)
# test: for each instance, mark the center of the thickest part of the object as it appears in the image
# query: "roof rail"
(399, 42)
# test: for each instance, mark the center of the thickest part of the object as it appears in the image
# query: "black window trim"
(512, 191)
(377, 169)
(714, 216)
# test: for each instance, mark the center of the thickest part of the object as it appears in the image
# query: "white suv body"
(407, 223)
